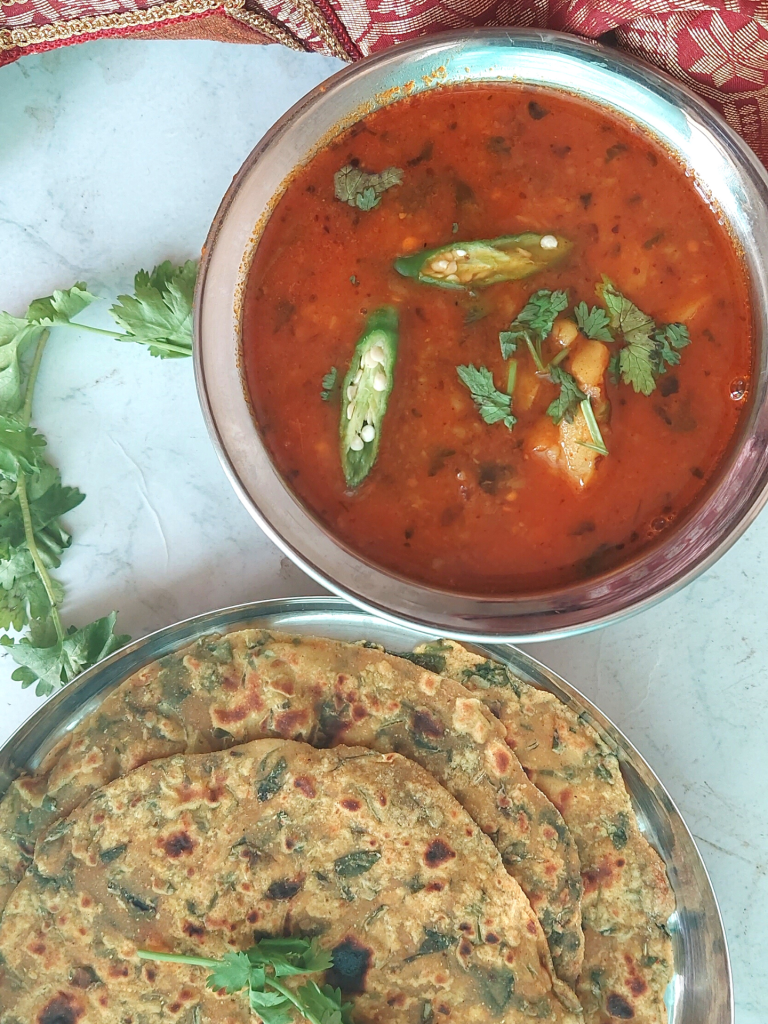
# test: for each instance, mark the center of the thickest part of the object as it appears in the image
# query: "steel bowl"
(700, 990)
(724, 169)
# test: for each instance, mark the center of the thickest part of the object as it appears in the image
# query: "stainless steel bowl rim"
(702, 987)
(690, 548)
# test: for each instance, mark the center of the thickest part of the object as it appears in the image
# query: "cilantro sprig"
(494, 406)
(648, 349)
(358, 188)
(259, 972)
(594, 322)
(669, 339)
(643, 351)
(158, 315)
(32, 497)
(533, 324)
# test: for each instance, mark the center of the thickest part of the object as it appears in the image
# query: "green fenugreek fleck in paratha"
(252, 684)
(200, 853)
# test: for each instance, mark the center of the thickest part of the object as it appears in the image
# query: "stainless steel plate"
(700, 992)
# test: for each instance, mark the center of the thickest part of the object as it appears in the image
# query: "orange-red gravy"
(451, 500)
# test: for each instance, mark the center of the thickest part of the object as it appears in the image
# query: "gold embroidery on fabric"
(267, 27)
(11, 38)
(321, 28)
(60, 30)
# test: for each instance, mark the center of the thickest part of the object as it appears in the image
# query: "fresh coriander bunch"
(32, 497)
(260, 972)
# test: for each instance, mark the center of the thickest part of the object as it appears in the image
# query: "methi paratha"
(627, 897)
(252, 684)
(196, 853)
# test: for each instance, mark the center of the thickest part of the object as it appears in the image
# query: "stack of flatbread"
(461, 843)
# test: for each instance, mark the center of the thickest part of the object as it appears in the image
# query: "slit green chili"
(483, 262)
(365, 393)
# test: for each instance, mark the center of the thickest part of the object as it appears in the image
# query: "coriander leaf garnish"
(494, 406)
(669, 339)
(60, 307)
(159, 314)
(648, 350)
(508, 341)
(367, 199)
(636, 363)
(231, 974)
(272, 1007)
(51, 661)
(541, 310)
(570, 398)
(290, 956)
(259, 970)
(358, 188)
(533, 324)
(23, 596)
(18, 333)
(325, 1003)
(329, 383)
(624, 314)
(21, 448)
(593, 322)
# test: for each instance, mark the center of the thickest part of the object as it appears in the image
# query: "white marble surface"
(114, 155)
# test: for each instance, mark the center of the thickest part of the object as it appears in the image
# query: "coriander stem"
(26, 410)
(93, 330)
(559, 358)
(592, 426)
(511, 376)
(168, 346)
(178, 958)
(29, 533)
(279, 987)
(535, 354)
(21, 490)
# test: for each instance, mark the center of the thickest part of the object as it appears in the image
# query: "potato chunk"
(578, 461)
(565, 447)
(588, 365)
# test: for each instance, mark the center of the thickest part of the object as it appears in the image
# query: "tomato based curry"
(496, 339)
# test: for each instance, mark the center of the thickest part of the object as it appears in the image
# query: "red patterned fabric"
(719, 48)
